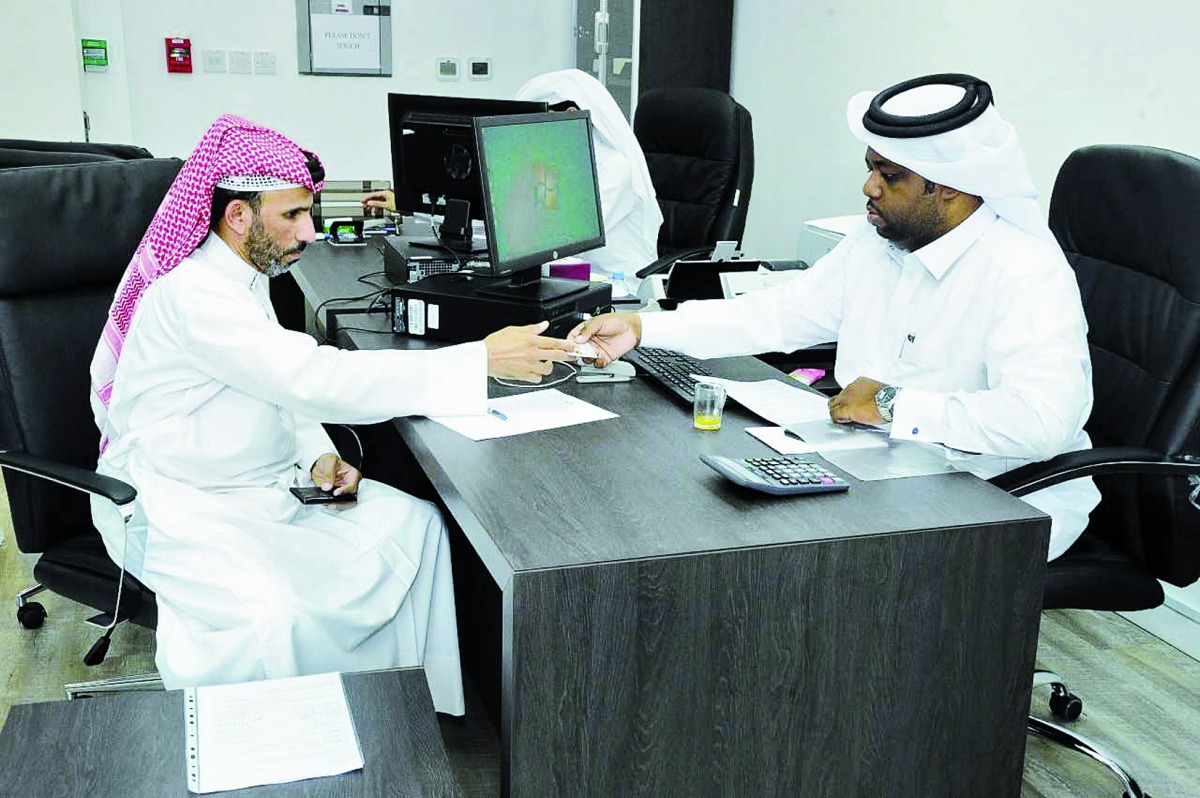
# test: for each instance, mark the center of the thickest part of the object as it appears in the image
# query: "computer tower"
(406, 262)
(448, 307)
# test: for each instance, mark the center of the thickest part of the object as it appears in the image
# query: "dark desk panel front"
(667, 633)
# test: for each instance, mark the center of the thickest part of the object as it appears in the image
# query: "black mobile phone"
(314, 495)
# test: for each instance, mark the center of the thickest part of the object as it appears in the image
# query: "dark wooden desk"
(666, 633)
(131, 745)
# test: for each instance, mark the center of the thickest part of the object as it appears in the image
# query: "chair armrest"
(1093, 462)
(668, 260)
(116, 491)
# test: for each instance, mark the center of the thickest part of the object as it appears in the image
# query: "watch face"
(883, 401)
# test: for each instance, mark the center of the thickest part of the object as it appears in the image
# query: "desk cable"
(536, 386)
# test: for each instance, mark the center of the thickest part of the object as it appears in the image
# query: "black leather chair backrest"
(1126, 216)
(66, 235)
(72, 151)
(13, 158)
(699, 147)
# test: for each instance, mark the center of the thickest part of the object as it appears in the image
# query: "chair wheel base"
(31, 615)
(1064, 704)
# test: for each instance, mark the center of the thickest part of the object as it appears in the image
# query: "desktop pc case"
(447, 307)
(405, 263)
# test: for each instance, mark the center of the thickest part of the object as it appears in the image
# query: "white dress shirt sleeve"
(1038, 381)
(803, 312)
(228, 336)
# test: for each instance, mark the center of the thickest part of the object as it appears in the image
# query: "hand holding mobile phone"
(314, 495)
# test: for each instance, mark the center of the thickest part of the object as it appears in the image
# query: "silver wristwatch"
(885, 397)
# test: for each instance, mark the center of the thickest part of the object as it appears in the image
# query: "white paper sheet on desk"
(775, 400)
(526, 412)
(268, 732)
(778, 439)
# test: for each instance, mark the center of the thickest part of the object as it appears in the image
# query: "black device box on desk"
(404, 262)
(447, 307)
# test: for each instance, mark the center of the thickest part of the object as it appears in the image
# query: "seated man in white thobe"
(628, 201)
(957, 317)
(209, 408)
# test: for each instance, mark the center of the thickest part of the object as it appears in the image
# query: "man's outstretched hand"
(612, 334)
(523, 353)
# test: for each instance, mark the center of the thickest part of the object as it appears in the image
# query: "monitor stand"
(530, 286)
(456, 234)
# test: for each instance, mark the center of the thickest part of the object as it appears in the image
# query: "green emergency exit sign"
(95, 55)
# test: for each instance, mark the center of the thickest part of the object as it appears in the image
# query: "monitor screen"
(433, 149)
(541, 195)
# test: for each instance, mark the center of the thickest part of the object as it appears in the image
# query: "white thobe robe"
(211, 420)
(982, 329)
(628, 202)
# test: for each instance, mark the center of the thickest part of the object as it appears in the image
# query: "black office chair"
(1125, 217)
(67, 233)
(28, 152)
(699, 147)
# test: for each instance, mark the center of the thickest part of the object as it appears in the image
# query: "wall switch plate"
(447, 68)
(479, 68)
(240, 63)
(214, 60)
(264, 62)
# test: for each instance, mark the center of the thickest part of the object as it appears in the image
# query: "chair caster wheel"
(31, 615)
(1065, 705)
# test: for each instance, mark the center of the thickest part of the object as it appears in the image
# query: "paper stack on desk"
(805, 428)
(548, 408)
(268, 732)
(775, 400)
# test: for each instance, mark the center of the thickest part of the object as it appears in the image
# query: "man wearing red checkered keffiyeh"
(209, 408)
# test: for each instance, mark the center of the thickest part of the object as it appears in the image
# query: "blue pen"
(497, 414)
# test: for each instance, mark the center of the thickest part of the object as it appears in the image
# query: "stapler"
(617, 371)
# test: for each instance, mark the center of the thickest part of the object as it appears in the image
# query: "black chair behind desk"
(651, 629)
(699, 147)
(1125, 216)
(66, 235)
(27, 152)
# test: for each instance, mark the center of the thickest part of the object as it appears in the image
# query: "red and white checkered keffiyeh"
(232, 146)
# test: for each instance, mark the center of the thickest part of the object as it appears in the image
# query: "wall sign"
(344, 37)
(95, 55)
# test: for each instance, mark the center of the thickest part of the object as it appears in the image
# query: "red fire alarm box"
(179, 55)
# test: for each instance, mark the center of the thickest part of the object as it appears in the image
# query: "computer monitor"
(433, 149)
(541, 199)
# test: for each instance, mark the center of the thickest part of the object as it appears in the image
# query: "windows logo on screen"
(545, 186)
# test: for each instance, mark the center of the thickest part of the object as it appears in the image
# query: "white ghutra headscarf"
(981, 157)
(612, 131)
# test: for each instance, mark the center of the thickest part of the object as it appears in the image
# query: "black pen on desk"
(493, 411)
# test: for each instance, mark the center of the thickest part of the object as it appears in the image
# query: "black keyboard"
(777, 475)
(670, 368)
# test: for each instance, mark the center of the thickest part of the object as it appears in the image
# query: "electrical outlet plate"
(214, 60)
(240, 62)
(447, 68)
(479, 68)
(264, 62)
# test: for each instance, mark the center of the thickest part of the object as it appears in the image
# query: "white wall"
(40, 61)
(1065, 73)
(343, 119)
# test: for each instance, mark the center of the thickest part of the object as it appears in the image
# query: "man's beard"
(265, 254)
(919, 228)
